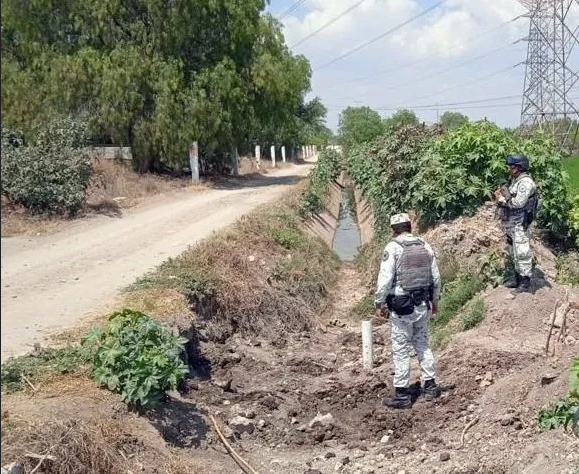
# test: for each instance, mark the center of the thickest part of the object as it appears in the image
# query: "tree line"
(156, 75)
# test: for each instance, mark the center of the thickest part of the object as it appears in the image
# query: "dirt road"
(50, 283)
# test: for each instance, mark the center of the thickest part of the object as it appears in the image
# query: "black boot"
(524, 285)
(401, 399)
(512, 281)
(431, 390)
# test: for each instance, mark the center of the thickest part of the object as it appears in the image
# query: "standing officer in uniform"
(409, 284)
(518, 203)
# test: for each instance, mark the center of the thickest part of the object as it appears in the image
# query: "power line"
(476, 101)
(468, 83)
(413, 63)
(291, 8)
(443, 71)
(379, 37)
(331, 22)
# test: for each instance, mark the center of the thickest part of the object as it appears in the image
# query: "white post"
(235, 161)
(273, 156)
(303, 152)
(367, 345)
(194, 162)
(257, 156)
(283, 154)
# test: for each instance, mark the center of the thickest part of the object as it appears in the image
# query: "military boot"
(524, 285)
(512, 281)
(431, 390)
(401, 399)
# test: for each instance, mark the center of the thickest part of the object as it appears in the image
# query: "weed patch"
(455, 296)
(42, 364)
(326, 170)
(262, 276)
(474, 316)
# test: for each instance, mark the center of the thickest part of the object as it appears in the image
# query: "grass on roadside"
(17, 372)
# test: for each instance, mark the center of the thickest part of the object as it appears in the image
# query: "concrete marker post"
(273, 156)
(257, 155)
(367, 345)
(283, 154)
(194, 161)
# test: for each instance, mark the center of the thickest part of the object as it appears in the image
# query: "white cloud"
(408, 64)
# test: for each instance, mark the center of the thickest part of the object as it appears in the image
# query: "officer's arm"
(385, 276)
(524, 191)
(435, 274)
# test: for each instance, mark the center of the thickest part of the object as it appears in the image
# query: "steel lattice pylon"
(549, 77)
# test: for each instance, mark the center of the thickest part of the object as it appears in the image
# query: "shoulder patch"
(385, 256)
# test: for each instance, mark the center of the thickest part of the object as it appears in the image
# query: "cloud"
(408, 65)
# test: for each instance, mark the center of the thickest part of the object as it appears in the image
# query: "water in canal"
(347, 238)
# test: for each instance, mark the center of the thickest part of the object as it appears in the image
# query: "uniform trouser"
(519, 249)
(407, 332)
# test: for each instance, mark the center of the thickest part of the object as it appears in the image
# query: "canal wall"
(325, 223)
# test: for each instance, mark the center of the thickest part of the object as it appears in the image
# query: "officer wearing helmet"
(518, 202)
(409, 285)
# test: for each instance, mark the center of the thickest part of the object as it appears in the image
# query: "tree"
(453, 120)
(401, 118)
(154, 75)
(358, 125)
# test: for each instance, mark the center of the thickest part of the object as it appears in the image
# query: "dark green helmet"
(518, 160)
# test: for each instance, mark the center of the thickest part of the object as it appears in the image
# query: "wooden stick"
(236, 457)
(28, 382)
(320, 365)
(38, 456)
(551, 325)
(472, 422)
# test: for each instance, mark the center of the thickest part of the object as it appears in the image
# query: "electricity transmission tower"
(549, 77)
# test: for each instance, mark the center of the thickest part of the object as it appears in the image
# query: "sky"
(457, 52)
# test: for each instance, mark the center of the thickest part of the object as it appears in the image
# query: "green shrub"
(326, 170)
(384, 169)
(51, 173)
(137, 358)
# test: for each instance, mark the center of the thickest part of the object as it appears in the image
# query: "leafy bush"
(564, 412)
(326, 170)
(51, 173)
(450, 176)
(137, 357)
(384, 168)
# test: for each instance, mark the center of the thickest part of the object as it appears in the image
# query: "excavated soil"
(485, 424)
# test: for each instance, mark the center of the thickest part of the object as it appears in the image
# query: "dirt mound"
(467, 239)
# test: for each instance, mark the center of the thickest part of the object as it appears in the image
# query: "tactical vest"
(528, 213)
(414, 266)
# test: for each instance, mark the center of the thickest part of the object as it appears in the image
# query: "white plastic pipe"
(367, 345)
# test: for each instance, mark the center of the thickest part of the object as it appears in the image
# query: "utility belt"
(404, 305)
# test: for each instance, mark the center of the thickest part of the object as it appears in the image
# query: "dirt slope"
(49, 283)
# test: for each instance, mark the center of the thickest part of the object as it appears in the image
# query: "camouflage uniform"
(518, 234)
(408, 331)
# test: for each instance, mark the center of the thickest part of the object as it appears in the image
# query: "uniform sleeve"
(525, 190)
(385, 276)
(435, 273)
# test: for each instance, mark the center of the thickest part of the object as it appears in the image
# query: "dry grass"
(262, 276)
(115, 185)
(74, 446)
